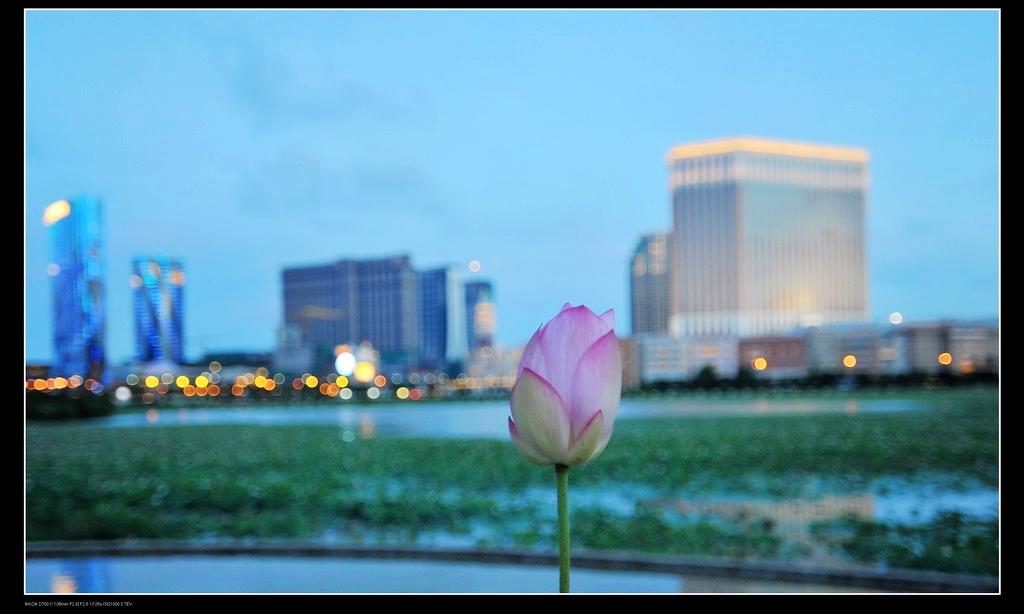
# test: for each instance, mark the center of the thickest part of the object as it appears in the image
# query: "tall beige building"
(767, 235)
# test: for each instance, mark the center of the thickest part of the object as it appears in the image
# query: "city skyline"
(532, 142)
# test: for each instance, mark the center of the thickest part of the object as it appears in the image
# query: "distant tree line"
(68, 404)
(746, 379)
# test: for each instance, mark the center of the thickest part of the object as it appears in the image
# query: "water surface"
(473, 419)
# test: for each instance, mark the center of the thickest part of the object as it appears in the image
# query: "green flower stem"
(562, 477)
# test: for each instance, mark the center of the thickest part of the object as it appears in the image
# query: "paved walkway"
(286, 567)
(262, 574)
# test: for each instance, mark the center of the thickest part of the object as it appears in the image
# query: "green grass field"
(308, 482)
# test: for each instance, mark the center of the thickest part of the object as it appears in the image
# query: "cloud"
(279, 95)
(298, 180)
(293, 180)
(402, 187)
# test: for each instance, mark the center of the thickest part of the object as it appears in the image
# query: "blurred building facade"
(767, 235)
(786, 355)
(414, 320)
(848, 350)
(291, 354)
(650, 284)
(352, 301)
(664, 358)
(481, 320)
(76, 269)
(320, 304)
(443, 333)
(389, 309)
(158, 288)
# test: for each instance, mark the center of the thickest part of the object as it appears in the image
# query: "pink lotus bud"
(567, 388)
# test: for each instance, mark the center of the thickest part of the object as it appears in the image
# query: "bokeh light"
(55, 212)
(345, 363)
(62, 583)
(364, 372)
(123, 394)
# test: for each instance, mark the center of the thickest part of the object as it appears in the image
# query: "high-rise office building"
(158, 287)
(352, 301)
(443, 344)
(650, 284)
(389, 308)
(321, 302)
(767, 236)
(76, 273)
(480, 317)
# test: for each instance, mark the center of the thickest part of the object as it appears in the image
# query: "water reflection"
(79, 576)
(787, 513)
(887, 501)
(461, 419)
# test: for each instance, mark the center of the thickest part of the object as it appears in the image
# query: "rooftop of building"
(781, 147)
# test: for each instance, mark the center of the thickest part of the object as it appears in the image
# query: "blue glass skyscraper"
(443, 344)
(76, 271)
(158, 285)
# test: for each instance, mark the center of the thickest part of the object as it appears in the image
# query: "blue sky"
(244, 142)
